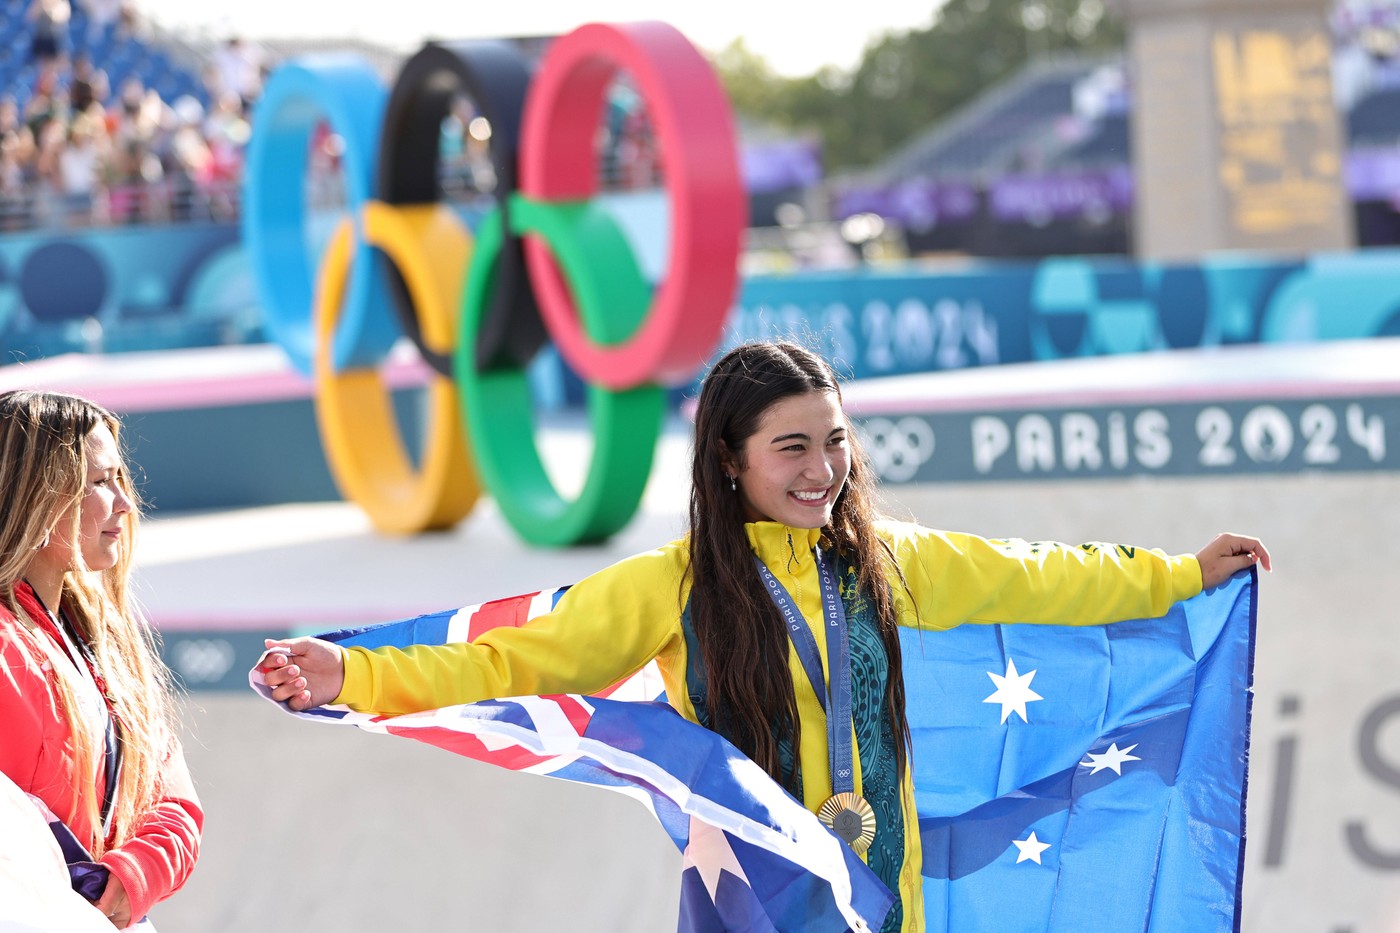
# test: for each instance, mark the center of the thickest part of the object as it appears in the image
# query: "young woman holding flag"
(775, 621)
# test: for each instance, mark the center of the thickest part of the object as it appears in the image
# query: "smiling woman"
(775, 621)
(89, 731)
(795, 474)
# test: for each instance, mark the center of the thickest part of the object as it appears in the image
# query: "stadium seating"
(1035, 126)
(121, 56)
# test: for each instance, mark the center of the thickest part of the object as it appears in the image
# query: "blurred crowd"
(78, 151)
(78, 148)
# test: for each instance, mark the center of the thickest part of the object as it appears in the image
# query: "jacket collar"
(774, 539)
(29, 600)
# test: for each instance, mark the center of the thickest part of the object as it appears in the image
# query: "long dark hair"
(742, 639)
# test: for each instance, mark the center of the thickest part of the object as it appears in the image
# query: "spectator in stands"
(130, 23)
(464, 160)
(132, 167)
(87, 84)
(238, 69)
(102, 16)
(50, 141)
(19, 139)
(454, 172)
(45, 103)
(9, 115)
(79, 169)
(183, 155)
(16, 157)
(325, 180)
(48, 37)
(227, 132)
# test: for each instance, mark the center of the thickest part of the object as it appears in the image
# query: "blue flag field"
(1067, 778)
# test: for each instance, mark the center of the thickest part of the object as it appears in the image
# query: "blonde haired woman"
(85, 702)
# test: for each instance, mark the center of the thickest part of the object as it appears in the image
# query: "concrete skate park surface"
(328, 829)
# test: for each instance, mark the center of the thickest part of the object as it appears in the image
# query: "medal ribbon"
(838, 659)
(62, 632)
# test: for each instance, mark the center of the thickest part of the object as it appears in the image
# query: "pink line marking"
(266, 620)
(149, 382)
(1254, 391)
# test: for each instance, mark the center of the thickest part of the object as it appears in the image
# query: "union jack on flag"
(753, 857)
(1099, 785)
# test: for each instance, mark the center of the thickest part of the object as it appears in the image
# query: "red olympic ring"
(701, 179)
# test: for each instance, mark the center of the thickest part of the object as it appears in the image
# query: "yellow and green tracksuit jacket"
(612, 623)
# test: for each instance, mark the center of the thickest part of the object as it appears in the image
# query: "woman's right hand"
(302, 672)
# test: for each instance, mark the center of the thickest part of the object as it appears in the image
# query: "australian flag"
(1067, 778)
(1086, 778)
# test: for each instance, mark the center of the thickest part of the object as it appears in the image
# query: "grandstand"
(962, 186)
(118, 48)
(1041, 164)
(1003, 131)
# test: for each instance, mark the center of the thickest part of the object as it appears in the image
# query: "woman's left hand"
(1227, 554)
(113, 903)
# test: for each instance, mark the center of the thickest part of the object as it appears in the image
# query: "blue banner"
(1293, 435)
(919, 319)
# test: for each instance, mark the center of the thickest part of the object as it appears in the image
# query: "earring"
(733, 483)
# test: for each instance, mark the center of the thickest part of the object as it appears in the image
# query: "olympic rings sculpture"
(545, 264)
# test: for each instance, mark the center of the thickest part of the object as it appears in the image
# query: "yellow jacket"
(612, 623)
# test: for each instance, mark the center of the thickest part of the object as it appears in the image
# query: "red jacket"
(35, 753)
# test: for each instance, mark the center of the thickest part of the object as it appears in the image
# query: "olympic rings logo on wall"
(547, 263)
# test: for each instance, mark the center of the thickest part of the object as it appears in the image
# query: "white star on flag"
(710, 852)
(1113, 758)
(1030, 849)
(1013, 691)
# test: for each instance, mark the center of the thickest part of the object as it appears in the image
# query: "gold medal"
(851, 818)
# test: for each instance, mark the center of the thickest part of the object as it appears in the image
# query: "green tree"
(908, 80)
(754, 88)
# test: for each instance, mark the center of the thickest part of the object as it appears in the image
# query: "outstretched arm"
(1227, 554)
(954, 578)
(605, 627)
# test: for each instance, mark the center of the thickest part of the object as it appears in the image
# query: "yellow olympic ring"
(429, 246)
